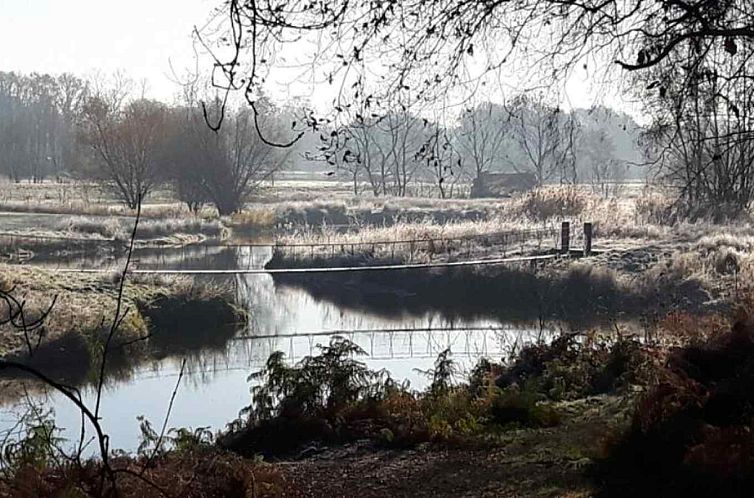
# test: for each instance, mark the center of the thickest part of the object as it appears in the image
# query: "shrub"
(691, 435)
(194, 474)
(568, 369)
(688, 329)
(34, 448)
(179, 440)
(157, 228)
(655, 210)
(523, 406)
(332, 397)
(547, 203)
(319, 386)
(442, 374)
(254, 218)
(108, 228)
(115, 228)
(314, 400)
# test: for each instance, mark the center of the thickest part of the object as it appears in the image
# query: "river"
(214, 387)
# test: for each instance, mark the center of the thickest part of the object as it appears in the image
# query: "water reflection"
(283, 318)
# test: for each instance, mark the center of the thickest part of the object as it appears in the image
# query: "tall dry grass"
(421, 242)
(119, 228)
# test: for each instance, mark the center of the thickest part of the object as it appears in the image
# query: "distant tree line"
(105, 130)
(387, 151)
(102, 130)
(38, 115)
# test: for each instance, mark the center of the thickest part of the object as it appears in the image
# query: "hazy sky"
(80, 36)
(143, 37)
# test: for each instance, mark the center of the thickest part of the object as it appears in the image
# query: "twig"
(165, 421)
(117, 318)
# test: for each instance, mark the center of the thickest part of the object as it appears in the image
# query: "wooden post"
(587, 239)
(565, 238)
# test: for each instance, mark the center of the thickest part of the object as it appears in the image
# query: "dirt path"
(437, 473)
(522, 463)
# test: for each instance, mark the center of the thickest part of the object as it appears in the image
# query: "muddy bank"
(502, 470)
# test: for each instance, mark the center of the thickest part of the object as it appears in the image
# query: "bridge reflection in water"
(406, 343)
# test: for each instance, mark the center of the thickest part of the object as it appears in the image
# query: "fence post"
(565, 238)
(587, 239)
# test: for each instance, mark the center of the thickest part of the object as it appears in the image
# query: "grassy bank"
(645, 264)
(526, 223)
(71, 342)
(149, 229)
(54, 237)
(366, 211)
(419, 242)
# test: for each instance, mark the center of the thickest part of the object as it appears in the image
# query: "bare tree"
(70, 98)
(481, 137)
(702, 138)
(403, 133)
(373, 155)
(441, 159)
(127, 142)
(357, 145)
(377, 146)
(536, 128)
(224, 167)
(239, 162)
(603, 170)
(183, 157)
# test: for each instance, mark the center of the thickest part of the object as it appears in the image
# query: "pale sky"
(81, 36)
(143, 38)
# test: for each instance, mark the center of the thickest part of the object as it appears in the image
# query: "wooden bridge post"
(565, 237)
(587, 239)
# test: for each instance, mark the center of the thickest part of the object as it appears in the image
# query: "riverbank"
(635, 270)
(527, 462)
(83, 306)
(329, 426)
(596, 292)
(578, 416)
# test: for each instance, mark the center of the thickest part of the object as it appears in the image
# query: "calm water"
(214, 387)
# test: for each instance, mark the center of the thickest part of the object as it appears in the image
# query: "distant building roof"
(502, 184)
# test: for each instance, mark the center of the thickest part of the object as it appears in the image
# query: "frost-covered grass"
(82, 313)
(405, 242)
(121, 229)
